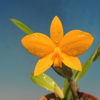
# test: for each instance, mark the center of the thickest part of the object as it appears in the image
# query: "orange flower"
(57, 48)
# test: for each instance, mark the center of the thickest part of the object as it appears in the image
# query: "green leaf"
(58, 91)
(44, 81)
(22, 26)
(64, 71)
(95, 56)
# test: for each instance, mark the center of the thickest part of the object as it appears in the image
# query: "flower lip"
(57, 57)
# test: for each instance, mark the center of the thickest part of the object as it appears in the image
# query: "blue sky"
(16, 63)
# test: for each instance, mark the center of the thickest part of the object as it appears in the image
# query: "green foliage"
(58, 91)
(44, 81)
(22, 26)
(67, 90)
(48, 83)
(95, 56)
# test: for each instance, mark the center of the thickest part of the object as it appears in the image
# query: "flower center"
(57, 57)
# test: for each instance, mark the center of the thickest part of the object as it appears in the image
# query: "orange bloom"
(58, 48)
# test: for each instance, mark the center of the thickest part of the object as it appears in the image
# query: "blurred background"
(16, 63)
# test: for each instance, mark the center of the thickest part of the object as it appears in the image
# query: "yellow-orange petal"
(56, 30)
(72, 62)
(76, 42)
(38, 44)
(43, 64)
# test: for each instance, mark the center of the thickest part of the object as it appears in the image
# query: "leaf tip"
(58, 91)
(11, 19)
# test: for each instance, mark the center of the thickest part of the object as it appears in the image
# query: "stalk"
(73, 88)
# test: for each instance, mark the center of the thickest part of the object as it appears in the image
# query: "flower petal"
(56, 30)
(76, 42)
(72, 62)
(43, 64)
(38, 44)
